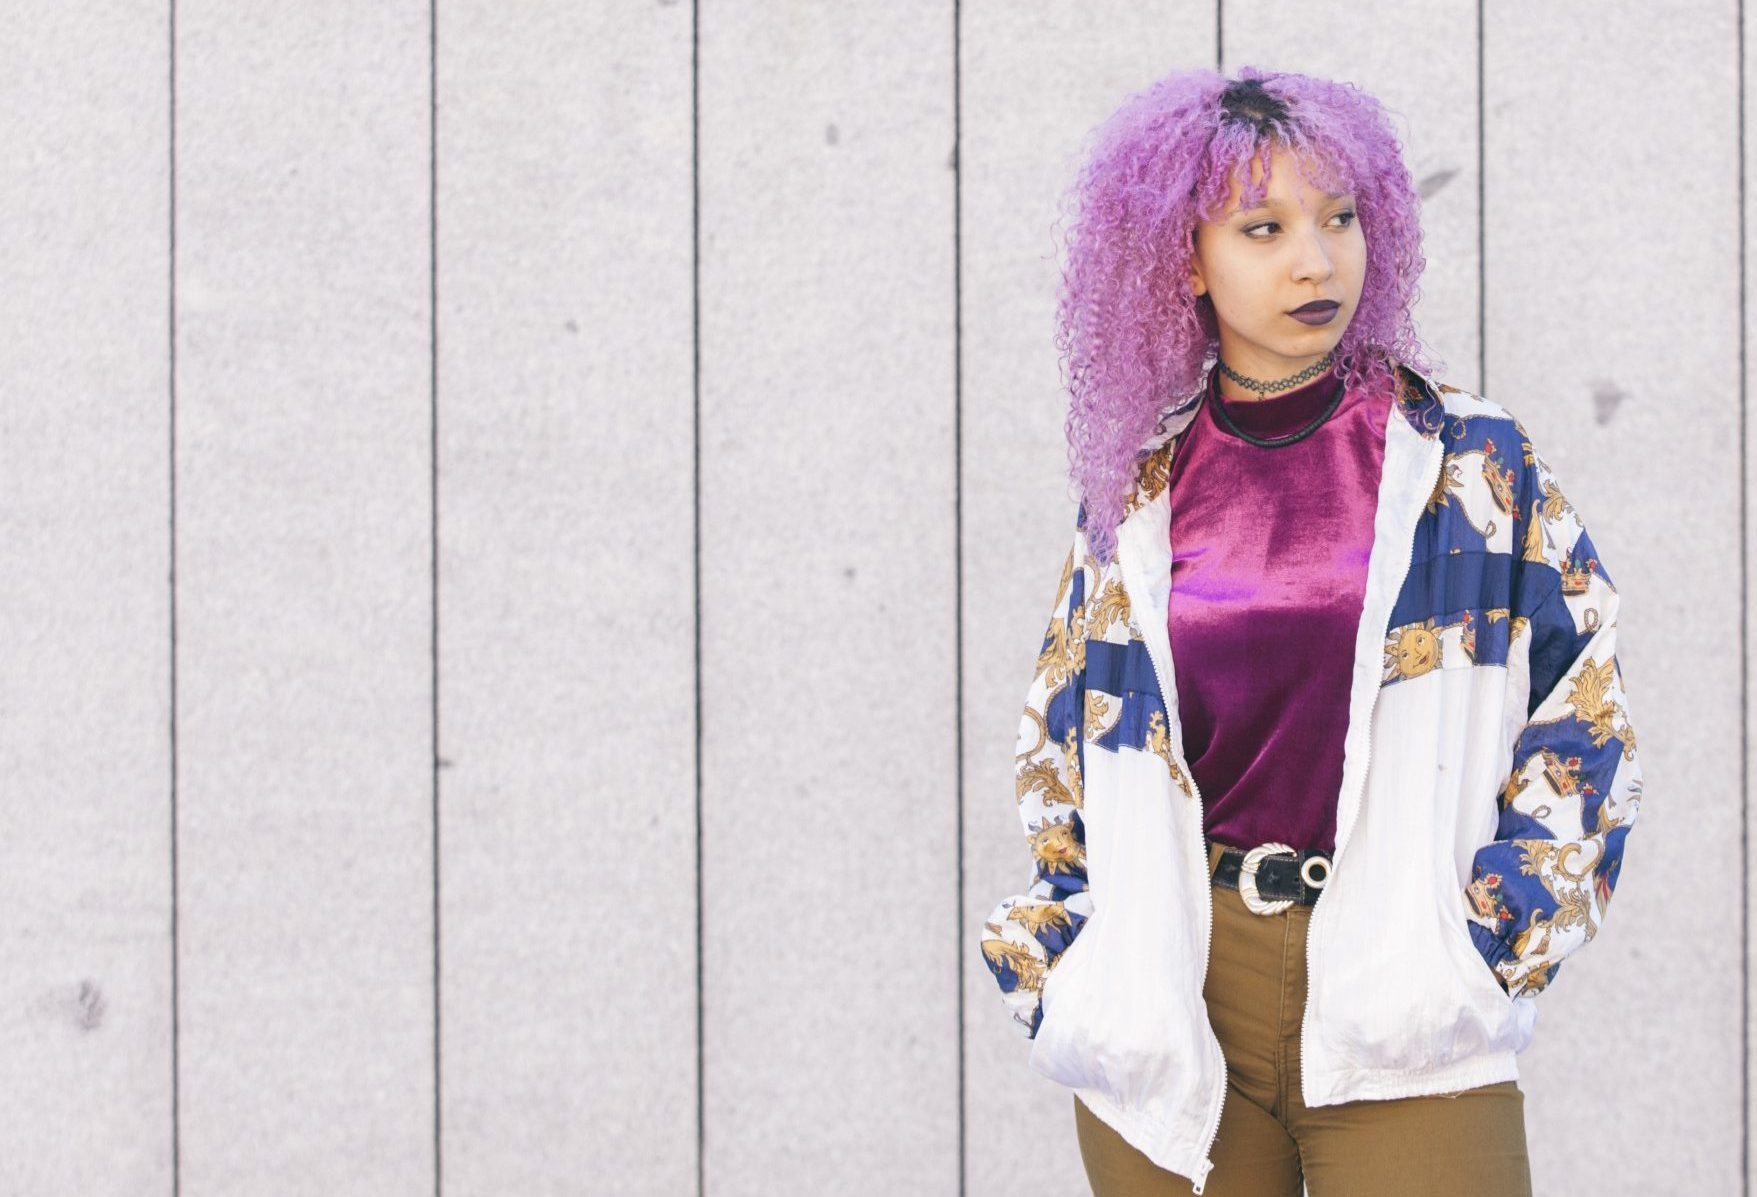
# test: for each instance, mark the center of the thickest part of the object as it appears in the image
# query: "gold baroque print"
(1562, 775)
(1109, 606)
(1064, 654)
(1035, 916)
(1151, 477)
(1411, 397)
(1015, 958)
(1510, 792)
(1155, 473)
(1071, 750)
(1055, 849)
(1481, 893)
(1061, 590)
(1411, 651)
(1421, 647)
(1555, 504)
(1498, 476)
(1159, 744)
(1547, 861)
(1102, 712)
(1577, 579)
(1591, 699)
(1626, 734)
(1448, 480)
(1042, 779)
(1533, 550)
(1538, 979)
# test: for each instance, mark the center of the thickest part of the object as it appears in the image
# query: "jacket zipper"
(1199, 1181)
(1207, 1165)
(1409, 561)
(1201, 1178)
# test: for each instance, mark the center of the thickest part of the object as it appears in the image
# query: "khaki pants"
(1464, 1144)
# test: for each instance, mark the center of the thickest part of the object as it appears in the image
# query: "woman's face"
(1258, 265)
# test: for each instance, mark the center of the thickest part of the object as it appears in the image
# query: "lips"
(1317, 306)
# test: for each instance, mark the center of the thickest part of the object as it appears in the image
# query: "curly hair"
(1133, 337)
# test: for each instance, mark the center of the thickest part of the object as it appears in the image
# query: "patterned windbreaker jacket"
(1489, 780)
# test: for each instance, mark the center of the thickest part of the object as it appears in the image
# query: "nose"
(1312, 263)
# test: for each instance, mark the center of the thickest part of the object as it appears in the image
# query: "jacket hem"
(1146, 1136)
(1385, 1084)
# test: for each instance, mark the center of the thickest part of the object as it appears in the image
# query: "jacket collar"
(1418, 399)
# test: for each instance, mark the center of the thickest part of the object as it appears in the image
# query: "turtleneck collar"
(1279, 414)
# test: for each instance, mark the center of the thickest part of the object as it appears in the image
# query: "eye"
(1347, 215)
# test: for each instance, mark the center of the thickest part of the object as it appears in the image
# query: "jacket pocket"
(1060, 1050)
(1478, 978)
(1068, 963)
(1396, 985)
(1123, 1011)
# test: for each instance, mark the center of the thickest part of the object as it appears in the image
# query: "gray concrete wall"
(527, 529)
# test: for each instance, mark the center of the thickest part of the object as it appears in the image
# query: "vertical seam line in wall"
(1744, 673)
(695, 269)
(958, 555)
(1482, 218)
(433, 552)
(171, 454)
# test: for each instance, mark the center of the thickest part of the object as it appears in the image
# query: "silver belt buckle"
(1247, 878)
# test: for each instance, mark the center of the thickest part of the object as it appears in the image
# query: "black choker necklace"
(1275, 442)
(1263, 388)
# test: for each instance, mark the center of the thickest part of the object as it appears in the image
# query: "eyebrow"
(1329, 197)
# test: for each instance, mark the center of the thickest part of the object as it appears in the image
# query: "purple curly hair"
(1134, 339)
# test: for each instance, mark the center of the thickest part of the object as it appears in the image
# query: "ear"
(1198, 285)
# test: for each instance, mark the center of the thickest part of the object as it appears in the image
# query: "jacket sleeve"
(1025, 936)
(1539, 890)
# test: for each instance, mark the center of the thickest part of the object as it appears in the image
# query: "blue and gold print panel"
(1466, 597)
(1123, 703)
(1120, 700)
(1119, 704)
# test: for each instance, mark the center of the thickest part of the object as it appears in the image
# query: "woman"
(1395, 685)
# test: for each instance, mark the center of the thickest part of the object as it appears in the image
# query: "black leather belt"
(1278, 876)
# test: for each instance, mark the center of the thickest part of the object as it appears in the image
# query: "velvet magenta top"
(1269, 560)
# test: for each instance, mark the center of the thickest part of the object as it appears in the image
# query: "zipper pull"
(1201, 1178)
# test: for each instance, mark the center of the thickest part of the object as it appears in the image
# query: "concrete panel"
(1037, 78)
(304, 599)
(567, 600)
(85, 768)
(829, 674)
(1613, 333)
(219, 717)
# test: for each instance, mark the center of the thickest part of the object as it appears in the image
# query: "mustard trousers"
(1465, 1144)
